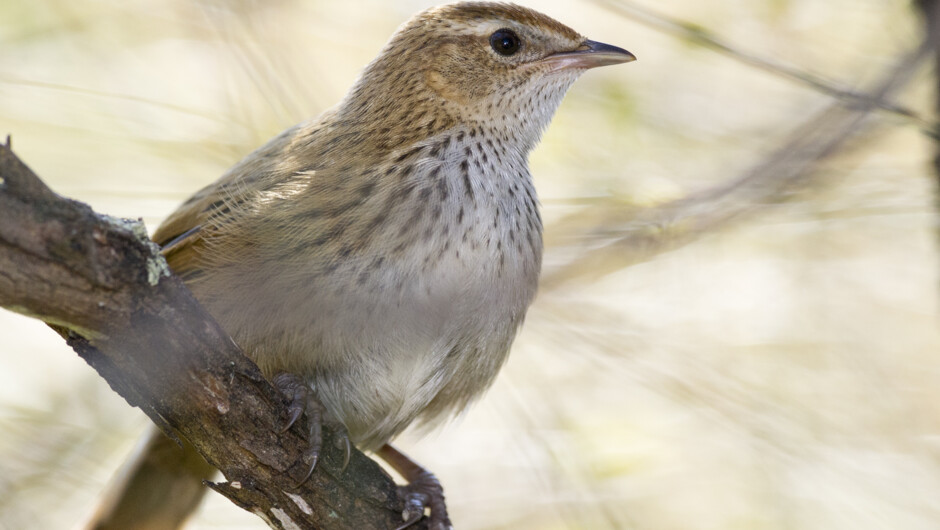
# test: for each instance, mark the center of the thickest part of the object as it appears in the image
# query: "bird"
(380, 257)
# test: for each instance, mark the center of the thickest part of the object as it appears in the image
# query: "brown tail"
(158, 488)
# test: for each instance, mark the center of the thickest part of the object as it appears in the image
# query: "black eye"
(505, 42)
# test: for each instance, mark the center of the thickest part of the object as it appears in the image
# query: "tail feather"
(158, 488)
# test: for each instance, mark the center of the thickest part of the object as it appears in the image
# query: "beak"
(589, 55)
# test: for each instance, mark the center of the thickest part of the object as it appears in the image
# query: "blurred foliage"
(775, 370)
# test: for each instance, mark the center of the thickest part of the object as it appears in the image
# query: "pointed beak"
(589, 55)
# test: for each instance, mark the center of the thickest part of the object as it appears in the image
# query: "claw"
(295, 414)
(411, 521)
(313, 465)
(347, 450)
(295, 391)
(415, 503)
(314, 434)
(423, 491)
(301, 399)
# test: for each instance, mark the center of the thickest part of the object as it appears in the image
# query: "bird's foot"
(301, 398)
(423, 491)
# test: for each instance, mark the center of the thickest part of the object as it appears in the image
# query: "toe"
(301, 399)
(293, 414)
(415, 504)
(295, 390)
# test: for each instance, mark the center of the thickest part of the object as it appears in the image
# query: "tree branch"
(102, 284)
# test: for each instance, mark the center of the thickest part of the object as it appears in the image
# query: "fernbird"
(383, 254)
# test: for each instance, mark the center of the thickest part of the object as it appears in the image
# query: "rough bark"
(103, 285)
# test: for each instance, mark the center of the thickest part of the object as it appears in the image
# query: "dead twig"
(637, 236)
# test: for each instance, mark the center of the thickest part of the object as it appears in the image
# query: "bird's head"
(496, 64)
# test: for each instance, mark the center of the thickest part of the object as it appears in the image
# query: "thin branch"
(702, 37)
(656, 230)
(83, 91)
(930, 11)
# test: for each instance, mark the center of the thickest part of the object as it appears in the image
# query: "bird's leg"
(423, 490)
(301, 398)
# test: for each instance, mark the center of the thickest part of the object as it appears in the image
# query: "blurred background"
(738, 323)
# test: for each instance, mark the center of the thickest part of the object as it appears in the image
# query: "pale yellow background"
(782, 373)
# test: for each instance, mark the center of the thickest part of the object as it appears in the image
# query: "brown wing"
(184, 234)
(181, 234)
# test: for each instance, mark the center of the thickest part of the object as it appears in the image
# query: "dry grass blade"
(706, 39)
(660, 229)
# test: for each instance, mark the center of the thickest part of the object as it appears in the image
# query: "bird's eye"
(505, 42)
